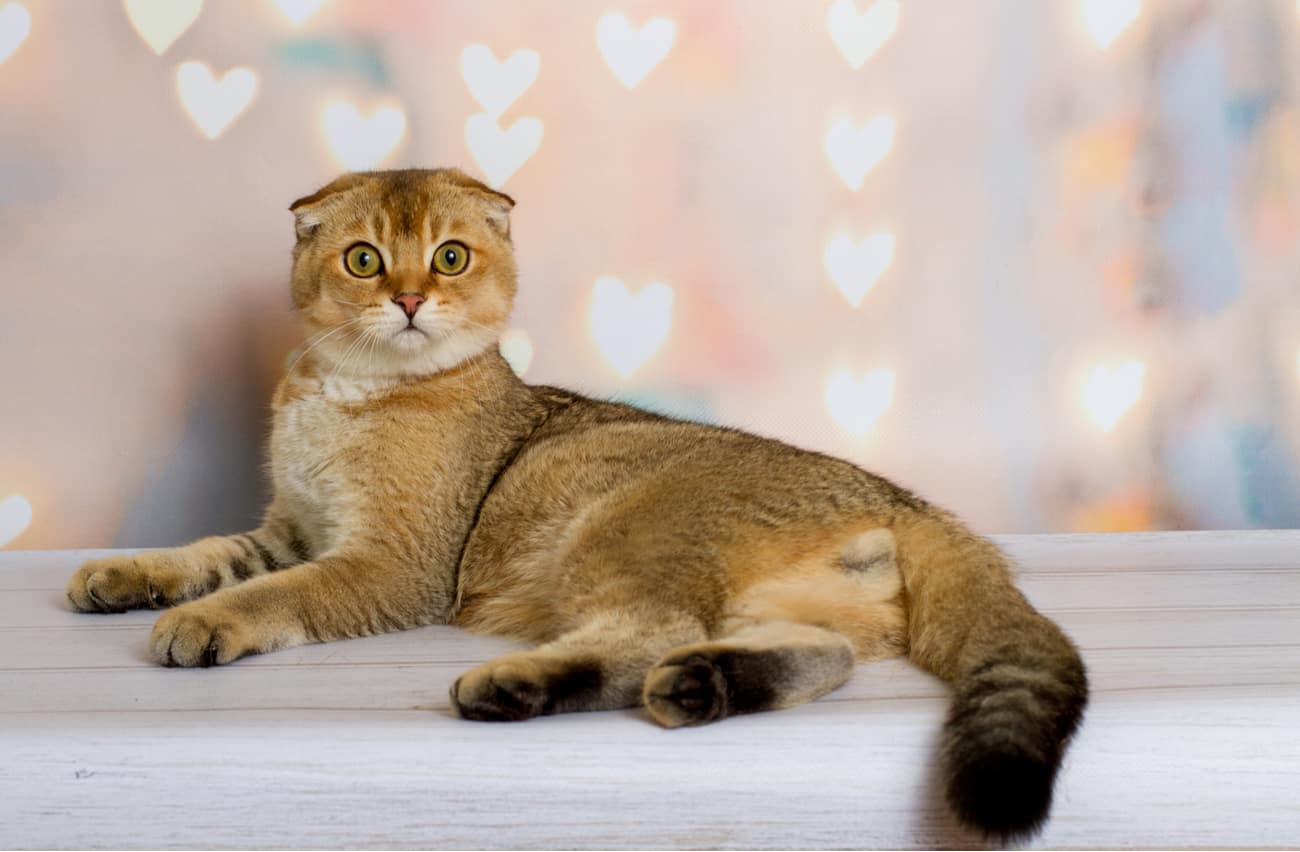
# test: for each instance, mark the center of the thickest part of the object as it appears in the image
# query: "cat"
(697, 570)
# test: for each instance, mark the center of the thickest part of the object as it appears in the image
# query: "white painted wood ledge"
(1192, 641)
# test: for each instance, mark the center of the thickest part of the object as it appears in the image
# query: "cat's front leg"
(162, 578)
(337, 597)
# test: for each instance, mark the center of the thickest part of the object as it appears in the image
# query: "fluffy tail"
(1020, 686)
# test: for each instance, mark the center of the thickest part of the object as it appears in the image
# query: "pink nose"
(410, 302)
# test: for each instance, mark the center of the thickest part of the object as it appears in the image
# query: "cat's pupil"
(364, 258)
(450, 256)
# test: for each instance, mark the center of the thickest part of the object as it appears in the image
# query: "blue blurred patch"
(1270, 490)
(363, 60)
(686, 405)
(1199, 246)
(1245, 113)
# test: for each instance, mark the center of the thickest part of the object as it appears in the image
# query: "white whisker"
(318, 339)
(348, 353)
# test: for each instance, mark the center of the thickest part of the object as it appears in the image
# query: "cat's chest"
(318, 445)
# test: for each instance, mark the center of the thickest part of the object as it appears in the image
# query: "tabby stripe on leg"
(241, 569)
(286, 533)
(268, 560)
(299, 547)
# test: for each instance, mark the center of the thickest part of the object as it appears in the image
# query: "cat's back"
(615, 445)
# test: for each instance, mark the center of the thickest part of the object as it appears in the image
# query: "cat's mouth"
(410, 337)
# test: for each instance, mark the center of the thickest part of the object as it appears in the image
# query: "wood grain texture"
(1192, 641)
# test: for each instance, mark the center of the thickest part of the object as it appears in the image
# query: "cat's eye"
(450, 258)
(363, 260)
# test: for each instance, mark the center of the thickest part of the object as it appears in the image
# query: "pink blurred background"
(1039, 261)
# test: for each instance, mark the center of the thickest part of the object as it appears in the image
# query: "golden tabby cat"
(700, 571)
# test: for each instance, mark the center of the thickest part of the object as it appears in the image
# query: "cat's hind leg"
(161, 578)
(788, 640)
(601, 665)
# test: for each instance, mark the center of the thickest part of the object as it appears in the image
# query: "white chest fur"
(314, 448)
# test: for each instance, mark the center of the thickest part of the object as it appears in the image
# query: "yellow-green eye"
(363, 260)
(450, 258)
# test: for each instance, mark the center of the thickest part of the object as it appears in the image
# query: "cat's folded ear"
(305, 210)
(497, 205)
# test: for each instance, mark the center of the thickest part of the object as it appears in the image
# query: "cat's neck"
(480, 376)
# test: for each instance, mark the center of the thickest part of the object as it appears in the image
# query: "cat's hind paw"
(687, 691)
(500, 691)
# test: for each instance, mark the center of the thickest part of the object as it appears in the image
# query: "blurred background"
(1039, 261)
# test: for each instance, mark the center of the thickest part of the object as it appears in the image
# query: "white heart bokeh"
(15, 25)
(500, 153)
(859, 35)
(855, 404)
(628, 328)
(361, 142)
(517, 348)
(854, 151)
(161, 22)
(298, 11)
(15, 516)
(1110, 390)
(632, 54)
(494, 84)
(855, 268)
(1104, 20)
(213, 103)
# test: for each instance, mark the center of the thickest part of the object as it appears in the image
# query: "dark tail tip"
(1006, 735)
(1006, 794)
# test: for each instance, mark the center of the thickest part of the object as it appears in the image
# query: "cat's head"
(402, 273)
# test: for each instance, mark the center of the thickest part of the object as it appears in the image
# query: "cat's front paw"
(687, 690)
(200, 634)
(507, 690)
(119, 583)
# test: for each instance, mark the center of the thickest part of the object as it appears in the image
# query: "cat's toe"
(106, 586)
(117, 584)
(690, 691)
(194, 638)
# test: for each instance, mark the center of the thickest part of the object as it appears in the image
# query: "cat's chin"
(412, 352)
(410, 339)
(405, 353)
